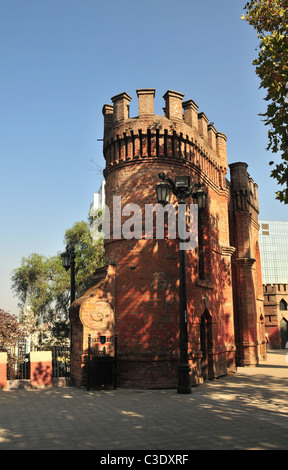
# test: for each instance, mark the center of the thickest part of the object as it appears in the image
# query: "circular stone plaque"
(97, 316)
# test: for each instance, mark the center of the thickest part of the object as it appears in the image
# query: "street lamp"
(182, 190)
(163, 191)
(68, 262)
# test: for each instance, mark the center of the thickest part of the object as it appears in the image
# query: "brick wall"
(3, 369)
(247, 278)
(144, 294)
(41, 368)
(92, 314)
(276, 315)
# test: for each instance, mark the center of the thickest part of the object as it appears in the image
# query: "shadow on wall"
(41, 374)
(147, 283)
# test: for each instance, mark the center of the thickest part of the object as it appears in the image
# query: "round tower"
(146, 287)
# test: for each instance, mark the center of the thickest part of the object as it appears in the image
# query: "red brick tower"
(137, 295)
(147, 272)
(247, 277)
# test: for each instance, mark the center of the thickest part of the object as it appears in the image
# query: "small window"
(283, 305)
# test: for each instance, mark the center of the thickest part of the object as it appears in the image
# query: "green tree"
(11, 330)
(89, 254)
(270, 20)
(43, 286)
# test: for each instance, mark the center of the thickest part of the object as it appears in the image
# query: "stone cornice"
(227, 250)
(245, 262)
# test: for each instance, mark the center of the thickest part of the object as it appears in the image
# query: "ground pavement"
(246, 411)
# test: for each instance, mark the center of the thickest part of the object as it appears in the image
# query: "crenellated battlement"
(181, 133)
(245, 190)
(281, 289)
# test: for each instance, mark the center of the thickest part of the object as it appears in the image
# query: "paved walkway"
(247, 411)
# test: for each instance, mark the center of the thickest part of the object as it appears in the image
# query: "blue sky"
(62, 60)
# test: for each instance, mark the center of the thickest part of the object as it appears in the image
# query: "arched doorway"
(206, 346)
(283, 332)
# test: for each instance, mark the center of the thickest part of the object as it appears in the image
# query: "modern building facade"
(98, 202)
(137, 294)
(273, 238)
(96, 212)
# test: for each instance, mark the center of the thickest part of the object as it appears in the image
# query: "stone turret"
(137, 295)
(181, 133)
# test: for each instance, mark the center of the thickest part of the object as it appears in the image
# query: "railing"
(60, 361)
(18, 365)
(102, 369)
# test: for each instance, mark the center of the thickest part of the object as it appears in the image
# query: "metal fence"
(101, 367)
(18, 363)
(60, 361)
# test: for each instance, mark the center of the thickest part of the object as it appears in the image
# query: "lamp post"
(182, 190)
(68, 261)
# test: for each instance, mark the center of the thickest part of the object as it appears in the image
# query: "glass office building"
(273, 239)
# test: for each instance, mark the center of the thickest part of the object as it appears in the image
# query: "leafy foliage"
(43, 286)
(89, 255)
(270, 19)
(11, 330)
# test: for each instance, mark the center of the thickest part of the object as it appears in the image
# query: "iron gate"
(101, 367)
(60, 361)
(18, 362)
